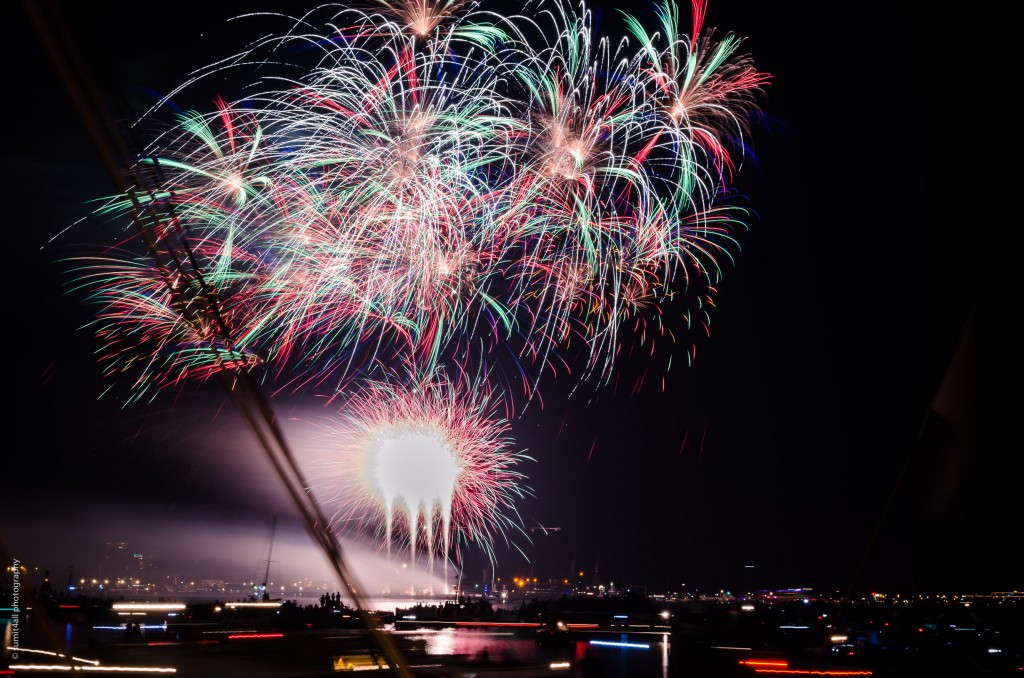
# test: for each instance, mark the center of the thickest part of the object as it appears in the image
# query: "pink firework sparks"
(428, 465)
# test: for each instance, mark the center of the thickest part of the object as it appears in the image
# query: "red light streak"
(532, 625)
(809, 672)
(240, 636)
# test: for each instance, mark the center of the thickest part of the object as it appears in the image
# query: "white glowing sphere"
(414, 467)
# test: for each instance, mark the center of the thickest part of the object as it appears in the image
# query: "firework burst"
(436, 187)
(517, 184)
(427, 467)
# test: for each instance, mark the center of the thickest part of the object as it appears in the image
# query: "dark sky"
(809, 439)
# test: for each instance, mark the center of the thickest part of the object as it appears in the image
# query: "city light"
(148, 607)
(95, 669)
(610, 643)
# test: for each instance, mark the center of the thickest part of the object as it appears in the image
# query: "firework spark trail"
(395, 173)
(398, 200)
(420, 17)
(443, 189)
(139, 319)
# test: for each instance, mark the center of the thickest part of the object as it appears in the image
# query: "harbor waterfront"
(630, 635)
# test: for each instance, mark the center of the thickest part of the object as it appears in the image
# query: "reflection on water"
(63, 635)
(618, 654)
(611, 654)
(477, 644)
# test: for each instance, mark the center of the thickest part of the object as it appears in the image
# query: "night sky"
(835, 431)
